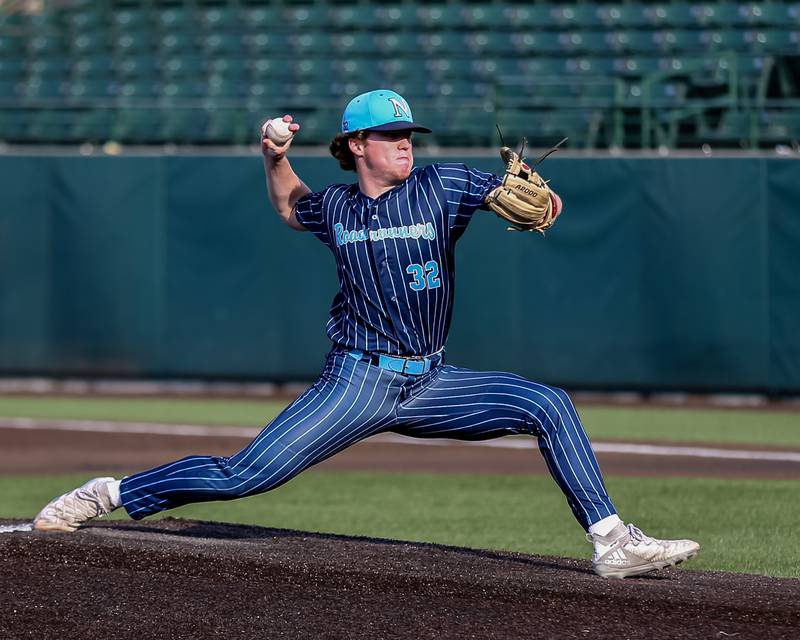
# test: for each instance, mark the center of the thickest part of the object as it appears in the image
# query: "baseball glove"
(523, 199)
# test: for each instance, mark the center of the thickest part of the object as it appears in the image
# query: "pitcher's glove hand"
(523, 199)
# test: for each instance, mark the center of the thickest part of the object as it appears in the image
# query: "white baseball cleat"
(627, 551)
(68, 512)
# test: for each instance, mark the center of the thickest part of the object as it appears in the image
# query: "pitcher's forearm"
(285, 188)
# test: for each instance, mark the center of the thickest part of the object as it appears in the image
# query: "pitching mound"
(186, 579)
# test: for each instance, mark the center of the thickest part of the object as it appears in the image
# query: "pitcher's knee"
(552, 404)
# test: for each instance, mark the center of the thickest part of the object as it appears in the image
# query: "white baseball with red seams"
(277, 130)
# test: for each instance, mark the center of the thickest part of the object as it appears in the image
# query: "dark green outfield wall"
(662, 273)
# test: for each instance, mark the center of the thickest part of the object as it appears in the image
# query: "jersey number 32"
(424, 276)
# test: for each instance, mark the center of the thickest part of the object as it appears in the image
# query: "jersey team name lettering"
(414, 231)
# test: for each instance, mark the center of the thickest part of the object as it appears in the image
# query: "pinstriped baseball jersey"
(395, 256)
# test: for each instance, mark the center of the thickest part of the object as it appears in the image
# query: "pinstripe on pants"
(352, 400)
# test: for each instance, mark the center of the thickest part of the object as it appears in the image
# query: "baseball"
(277, 130)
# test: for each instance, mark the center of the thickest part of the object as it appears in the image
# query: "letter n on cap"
(400, 108)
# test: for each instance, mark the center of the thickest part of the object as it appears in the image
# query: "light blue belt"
(406, 366)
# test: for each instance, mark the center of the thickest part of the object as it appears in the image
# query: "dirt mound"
(186, 579)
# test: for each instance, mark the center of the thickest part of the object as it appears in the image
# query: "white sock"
(113, 492)
(603, 527)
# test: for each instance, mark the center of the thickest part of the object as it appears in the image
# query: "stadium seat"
(526, 17)
(393, 17)
(623, 15)
(138, 126)
(590, 65)
(440, 43)
(588, 42)
(89, 89)
(266, 43)
(174, 42)
(92, 126)
(85, 21)
(396, 44)
(220, 86)
(723, 14)
(39, 88)
(218, 19)
(439, 16)
(349, 17)
(181, 126)
(301, 19)
(132, 66)
(779, 127)
(723, 40)
(536, 43)
(670, 15)
(484, 43)
(50, 126)
(135, 42)
(187, 66)
(258, 19)
(222, 43)
(575, 16)
(136, 89)
(128, 20)
(91, 65)
(773, 41)
(173, 19)
(482, 16)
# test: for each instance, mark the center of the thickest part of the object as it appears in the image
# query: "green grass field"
(602, 423)
(746, 526)
(742, 525)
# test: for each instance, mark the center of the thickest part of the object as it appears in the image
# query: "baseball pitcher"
(393, 234)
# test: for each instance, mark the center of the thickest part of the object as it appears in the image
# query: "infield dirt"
(186, 579)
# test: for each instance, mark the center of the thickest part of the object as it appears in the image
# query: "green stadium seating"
(133, 66)
(50, 126)
(38, 88)
(183, 66)
(261, 18)
(303, 18)
(439, 16)
(774, 41)
(575, 16)
(395, 44)
(670, 15)
(92, 126)
(174, 19)
(593, 65)
(222, 43)
(219, 19)
(590, 42)
(482, 16)
(346, 17)
(137, 126)
(482, 43)
(90, 88)
(266, 43)
(238, 56)
(393, 17)
(536, 43)
(128, 20)
(614, 16)
(527, 16)
(135, 42)
(174, 42)
(85, 21)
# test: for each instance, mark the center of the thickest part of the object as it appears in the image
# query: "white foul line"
(196, 430)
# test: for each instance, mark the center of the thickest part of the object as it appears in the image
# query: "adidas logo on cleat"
(616, 558)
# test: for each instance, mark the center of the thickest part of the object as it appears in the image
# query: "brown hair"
(340, 149)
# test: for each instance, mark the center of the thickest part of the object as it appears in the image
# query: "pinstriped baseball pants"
(352, 400)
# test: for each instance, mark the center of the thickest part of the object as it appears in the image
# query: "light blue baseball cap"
(379, 110)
